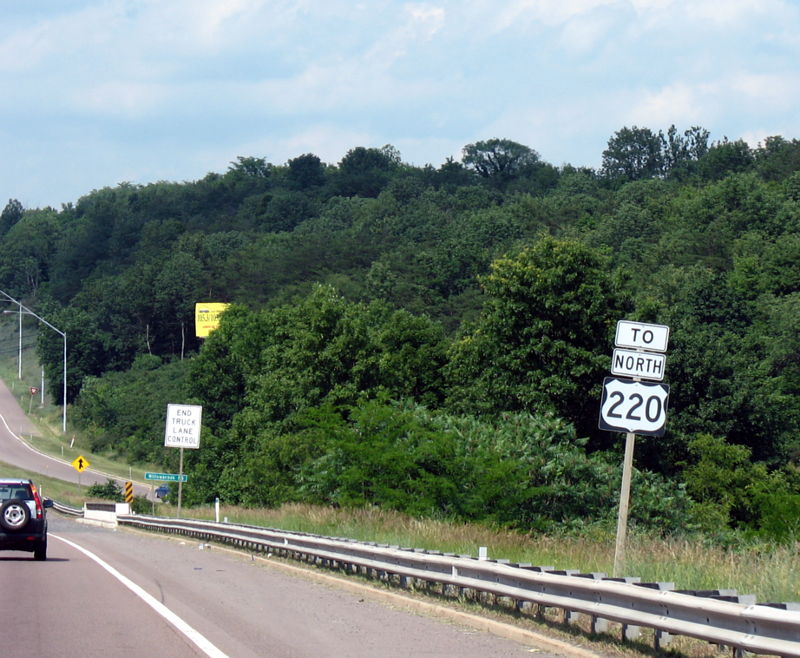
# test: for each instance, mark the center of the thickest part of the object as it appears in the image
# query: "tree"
(499, 160)
(633, 153)
(777, 158)
(177, 287)
(366, 171)
(306, 171)
(541, 343)
(11, 214)
(679, 151)
(724, 158)
(28, 249)
(249, 167)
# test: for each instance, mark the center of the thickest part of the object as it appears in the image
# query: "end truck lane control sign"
(183, 426)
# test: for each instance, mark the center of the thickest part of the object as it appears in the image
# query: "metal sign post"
(180, 484)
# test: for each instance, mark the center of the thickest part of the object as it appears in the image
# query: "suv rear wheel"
(14, 515)
(40, 551)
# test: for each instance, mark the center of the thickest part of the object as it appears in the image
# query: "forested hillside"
(434, 339)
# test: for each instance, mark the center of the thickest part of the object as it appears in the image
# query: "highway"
(14, 424)
(105, 592)
(231, 604)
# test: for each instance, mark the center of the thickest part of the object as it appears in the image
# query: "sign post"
(633, 406)
(183, 431)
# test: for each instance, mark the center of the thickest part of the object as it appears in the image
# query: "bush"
(108, 491)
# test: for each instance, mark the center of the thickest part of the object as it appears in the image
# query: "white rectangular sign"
(183, 426)
(641, 336)
(630, 363)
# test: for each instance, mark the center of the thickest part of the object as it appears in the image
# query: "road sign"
(630, 363)
(166, 477)
(635, 407)
(80, 463)
(183, 426)
(641, 336)
(128, 492)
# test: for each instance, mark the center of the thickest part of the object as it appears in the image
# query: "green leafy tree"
(499, 160)
(632, 154)
(724, 158)
(777, 158)
(542, 340)
(306, 171)
(366, 171)
(680, 152)
(28, 249)
(11, 214)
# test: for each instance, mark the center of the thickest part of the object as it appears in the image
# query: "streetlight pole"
(19, 358)
(60, 333)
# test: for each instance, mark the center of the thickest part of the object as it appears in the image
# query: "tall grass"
(772, 573)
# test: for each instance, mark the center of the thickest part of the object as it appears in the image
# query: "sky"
(94, 93)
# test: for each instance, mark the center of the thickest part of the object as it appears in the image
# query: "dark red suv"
(23, 520)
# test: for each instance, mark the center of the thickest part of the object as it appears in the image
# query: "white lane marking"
(193, 635)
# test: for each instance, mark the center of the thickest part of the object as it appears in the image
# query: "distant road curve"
(18, 452)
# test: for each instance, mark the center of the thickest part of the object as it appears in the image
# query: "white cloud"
(199, 82)
(124, 99)
(548, 12)
(325, 140)
(677, 103)
(775, 92)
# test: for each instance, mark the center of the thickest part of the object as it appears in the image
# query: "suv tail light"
(38, 499)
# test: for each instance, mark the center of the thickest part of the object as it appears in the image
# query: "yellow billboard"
(206, 317)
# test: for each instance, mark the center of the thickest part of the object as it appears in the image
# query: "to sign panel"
(636, 407)
(641, 336)
(629, 363)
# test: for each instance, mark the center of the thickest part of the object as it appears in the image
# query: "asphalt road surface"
(13, 450)
(72, 606)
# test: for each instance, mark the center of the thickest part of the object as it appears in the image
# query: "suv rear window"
(15, 490)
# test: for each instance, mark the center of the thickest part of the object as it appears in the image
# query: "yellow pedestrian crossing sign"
(80, 463)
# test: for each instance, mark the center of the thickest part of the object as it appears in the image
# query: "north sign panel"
(630, 363)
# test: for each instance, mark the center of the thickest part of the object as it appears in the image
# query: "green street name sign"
(166, 477)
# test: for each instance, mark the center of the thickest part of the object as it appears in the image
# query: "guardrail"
(719, 617)
(66, 509)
